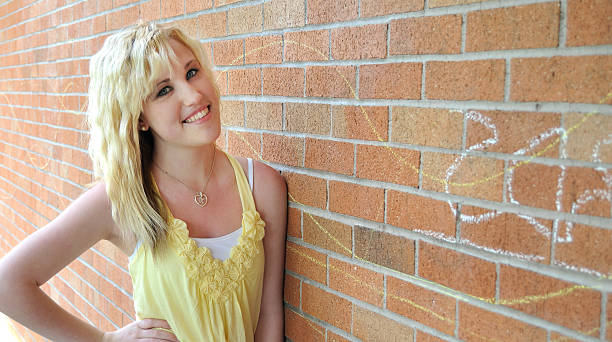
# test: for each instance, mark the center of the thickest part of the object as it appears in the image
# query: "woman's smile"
(200, 116)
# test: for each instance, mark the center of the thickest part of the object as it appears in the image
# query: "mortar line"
(563, 23)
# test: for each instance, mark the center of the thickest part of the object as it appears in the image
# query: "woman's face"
(183, 109)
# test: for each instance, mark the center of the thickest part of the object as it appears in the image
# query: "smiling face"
(183, 109)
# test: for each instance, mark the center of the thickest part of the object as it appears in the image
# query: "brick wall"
(448, 161)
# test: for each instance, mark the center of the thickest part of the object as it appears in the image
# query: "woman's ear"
(142, 125)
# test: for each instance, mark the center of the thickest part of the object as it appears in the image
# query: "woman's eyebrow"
(186, 66)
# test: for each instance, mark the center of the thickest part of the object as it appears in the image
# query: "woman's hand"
(143, 331)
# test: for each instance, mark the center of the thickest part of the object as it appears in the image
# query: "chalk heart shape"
(200, 199)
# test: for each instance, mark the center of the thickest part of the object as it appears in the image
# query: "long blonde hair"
(122, 76)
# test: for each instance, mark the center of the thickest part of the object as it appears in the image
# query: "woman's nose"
(191, 95)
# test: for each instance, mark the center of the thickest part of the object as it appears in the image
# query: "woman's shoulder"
(270, 180)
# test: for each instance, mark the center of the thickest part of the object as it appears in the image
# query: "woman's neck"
(190, 166)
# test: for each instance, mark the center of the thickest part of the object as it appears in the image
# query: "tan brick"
(283, 13)
(577, 308)
(390, 81)
(364, 202)
(197, 5)
(323, 11)
(292, 290)
(306, 262)
(219, 3)
(426, 35)
(456, 270)
(477, 324)
(332, 337)
(507, 232)
(475, 177)
(327, 307)
(584, 246)
(609, 319)
(245, 19)
(308, 118)
(221, 81)
(588, 22)
(427, 126)
(212, 25)
(519, 27)
(172, 8)
(328, 155)
(229, 52)
(266, 49)
(415, 212)
(244, 82)
(294, 222)
(306, 46)
(579, 192)
(384, 249)
(587, 135)
(361, 42)
(328, 234)
(387, 164)
(424, 337)
(371, 8)
(232, 113)
(283, 81)
(466, 80)
(370, 326)
(330, 81)
(561, 79)
(534, 185)
(422, 305)
(515, 131)
(357, 282)
(306, 190)
(360, 122)
(557, 337)
(282, 149)
(244, 144)
(300, 329)
(443, 3)
(264, 115)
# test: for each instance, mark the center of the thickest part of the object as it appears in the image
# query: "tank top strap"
(250, 163)
(246, 196)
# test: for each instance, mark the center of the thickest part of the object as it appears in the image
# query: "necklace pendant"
(200, 199)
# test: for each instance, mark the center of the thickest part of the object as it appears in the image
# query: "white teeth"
(198, 116)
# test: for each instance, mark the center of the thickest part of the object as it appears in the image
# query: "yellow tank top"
(202, 298)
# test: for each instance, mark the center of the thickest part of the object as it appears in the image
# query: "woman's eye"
(191, 73)
(163, 91)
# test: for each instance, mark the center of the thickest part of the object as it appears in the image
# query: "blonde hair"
(122, 75)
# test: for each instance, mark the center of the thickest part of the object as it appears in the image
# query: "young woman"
(205, 231)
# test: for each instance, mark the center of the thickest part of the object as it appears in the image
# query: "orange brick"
(442, 3)
(579, 185)
(150, 10)
(360, 122)
(329, 155)
(362, 42)
(294, 222)
(364, 202)
(282, 149)
(609, 319)
(308, 118)
(357, 282)
(244, 19)
(322, 11)
(456, 270)
(229, 52)
(300, 329)
(306, 190)
(330, 81)
(244, 144)
(264, 115)
(197, 5)
(522, 239)
(371, 8)
(515, 131)
(578, 308)
(426, 35)
(424, 306)
(427, 126)
(283, 13)
(415, 212)
(424, 337)
(306, 46)
(232, 113)
(561, 79)
(476, 323)
(585, 246)
(332, 337)
(370, 326)
(221, 81)
(384, 249)
(587, 136)
(306, 262)
(328, 234)
(390, 81)
(588, 22)
(557, 337)
(244, 82)
(533, 185)
(466, 80)
(283, 82)
(386, 164)
(172, 8)
(519, 27)
(212, 25)
(326, 306)
(475, 177)
(266, 49)
(292, 290)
